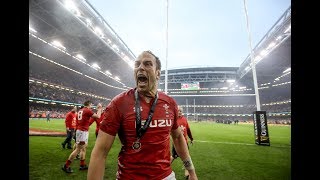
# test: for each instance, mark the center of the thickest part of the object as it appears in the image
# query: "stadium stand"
(66, 40)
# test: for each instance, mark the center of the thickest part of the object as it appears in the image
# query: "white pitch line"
(224, 142)
(45, 128)
(253, 144)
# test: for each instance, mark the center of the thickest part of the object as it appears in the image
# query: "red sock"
(82, 163)
(68, 162)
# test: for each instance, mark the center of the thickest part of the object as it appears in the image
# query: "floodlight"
(287, 70)
(279, 38)
(31, 29)
(263, 52)
(81, 57)
(95, 65)
(58, 44)
(89, 22)
(131, 64)
(271, 45)
(231, 80)
(288, 29)
(98, 31)
(108, 73)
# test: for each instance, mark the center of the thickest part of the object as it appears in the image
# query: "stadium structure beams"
(198, 78)
(92, 10)
(53, 21)
(93, 21)
(65, 27)
(206, 95)
(208, 74)
(277, 34)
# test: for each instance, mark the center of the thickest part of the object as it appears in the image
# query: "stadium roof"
(53, 21)
(272, 66)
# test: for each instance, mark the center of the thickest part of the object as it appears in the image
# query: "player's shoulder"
(86, 110)
(184, 118)
(124, 95)
(164, 97)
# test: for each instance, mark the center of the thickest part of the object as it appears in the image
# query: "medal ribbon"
(141, 130)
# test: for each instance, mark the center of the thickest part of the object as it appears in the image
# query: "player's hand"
(99, 106)
(191, 177)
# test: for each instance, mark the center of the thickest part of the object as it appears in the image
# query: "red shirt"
(70, 120)
(183, 123)
(83, 118)
(97, 120)
(152, 162)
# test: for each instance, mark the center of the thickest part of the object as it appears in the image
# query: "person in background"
(74, 137)
(82, 135)
(98, 121)
(144, 118)
(48, 113)
(186, 131)
(70, 123)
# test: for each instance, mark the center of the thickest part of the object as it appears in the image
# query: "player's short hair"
(157, 59)
(74, 108)
(87, 103)
(180, 108)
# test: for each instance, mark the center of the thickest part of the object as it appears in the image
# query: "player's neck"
(148, 96)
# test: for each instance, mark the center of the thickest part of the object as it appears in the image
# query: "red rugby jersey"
(152, 161)
(185, 128)
(70, 120)
(83, 118)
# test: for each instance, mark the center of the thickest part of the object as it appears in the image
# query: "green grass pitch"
(220, 152)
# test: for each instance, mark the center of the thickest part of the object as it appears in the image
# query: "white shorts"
(82, 136)
(171, 176)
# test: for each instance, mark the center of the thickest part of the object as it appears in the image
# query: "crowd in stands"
(281, 120)
(72, 81)
(43, 91)
(245, 109)
(39, 110)
(40, 90)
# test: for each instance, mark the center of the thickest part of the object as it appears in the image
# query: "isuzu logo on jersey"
(158, 123)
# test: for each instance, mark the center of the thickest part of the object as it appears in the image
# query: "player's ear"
(158, 74)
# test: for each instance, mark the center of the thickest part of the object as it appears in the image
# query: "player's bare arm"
(183, 152)
(99, 111)
(99, 155)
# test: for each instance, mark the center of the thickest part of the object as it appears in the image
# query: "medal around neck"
(136, 146)
(141, 130)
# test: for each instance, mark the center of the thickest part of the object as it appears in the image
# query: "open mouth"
(142, 78)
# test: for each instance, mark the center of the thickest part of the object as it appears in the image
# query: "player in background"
(98, 121)
(70, 123)
(74, 137)
(82, 135)
(48, 113)
(186, 131)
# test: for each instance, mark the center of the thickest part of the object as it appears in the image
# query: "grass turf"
(220, 152)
